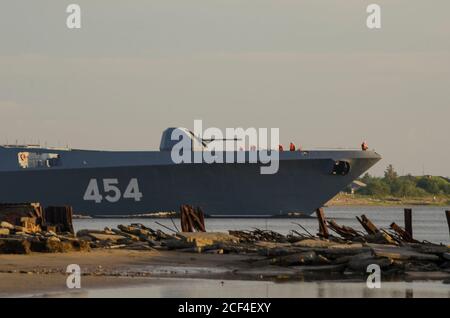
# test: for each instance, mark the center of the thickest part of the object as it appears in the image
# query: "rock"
(201, 239)
(315, 243)
(81, 245)
(403, 253)
(191, 250)
(128, 235)
(337, 268)
(107, 237)
(333, 252)
(216, 251)
(277, 251)
(14, 246)
(55, 246)
(87, 232)
(305, 258)
(6, 225)
(18, 228)
(50, 245)
(361, 261)
(4, 231)
(134, 230)
(173, 244)
(272, 245)
(54, 239)
(380, 238)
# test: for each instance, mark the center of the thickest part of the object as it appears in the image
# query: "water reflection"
(193, 288)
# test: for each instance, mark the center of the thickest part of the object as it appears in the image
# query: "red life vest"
(291, 147)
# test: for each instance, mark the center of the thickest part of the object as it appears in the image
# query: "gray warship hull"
(101, 183)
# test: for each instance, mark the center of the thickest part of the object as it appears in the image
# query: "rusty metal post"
(323, 230)
(447, 214)
(408, 222)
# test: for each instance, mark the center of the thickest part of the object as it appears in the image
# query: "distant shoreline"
(345, 199)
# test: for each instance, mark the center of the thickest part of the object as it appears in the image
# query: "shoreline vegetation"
(394, 190)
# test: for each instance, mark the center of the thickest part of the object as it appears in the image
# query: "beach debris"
(192, 219)
(16, 213)
(348, 250)
(202, 239)
(59, 217)
(368, 225)
(323, 230)
(402, 233)
(28, 227)
(344, 231)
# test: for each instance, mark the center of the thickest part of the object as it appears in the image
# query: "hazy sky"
(311, 68)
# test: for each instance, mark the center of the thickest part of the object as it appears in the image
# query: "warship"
(113, 183)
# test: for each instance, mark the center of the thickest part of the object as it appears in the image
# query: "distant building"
(356, 185)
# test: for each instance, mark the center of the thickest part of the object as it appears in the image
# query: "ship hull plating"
(301, 185)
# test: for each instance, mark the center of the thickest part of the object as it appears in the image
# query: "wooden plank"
(323, 230)
(402, 233)
(368, 225)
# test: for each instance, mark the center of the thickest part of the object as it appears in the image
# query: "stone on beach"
(4, 231)
(6, 225)
(14, 246)
(201, 239)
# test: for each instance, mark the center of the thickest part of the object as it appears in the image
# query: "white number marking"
(112, 191)
(132, 191)
(110, 186)
(92, 192)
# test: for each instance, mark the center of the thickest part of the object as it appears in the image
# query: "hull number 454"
(111, 191)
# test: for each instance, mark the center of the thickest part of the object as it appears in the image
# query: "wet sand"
(125, 273)
(40, 272)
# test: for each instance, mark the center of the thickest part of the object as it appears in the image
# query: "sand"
(23, 275)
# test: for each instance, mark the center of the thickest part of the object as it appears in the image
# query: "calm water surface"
(194, 288)
(429, 223)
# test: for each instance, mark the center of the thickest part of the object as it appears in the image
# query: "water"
(194, 288)
(429, 223)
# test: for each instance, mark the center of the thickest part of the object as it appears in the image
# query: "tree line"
(391, 184)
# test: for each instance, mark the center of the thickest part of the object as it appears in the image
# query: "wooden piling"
(59, 218)
(408, 222)
(447, 214)
(323, 230)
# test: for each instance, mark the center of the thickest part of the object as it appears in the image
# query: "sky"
(310, 68)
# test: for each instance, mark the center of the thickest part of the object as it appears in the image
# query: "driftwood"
(192, 219)
(403, 234)
(344, 231)
(323, 230)
(367, 225)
